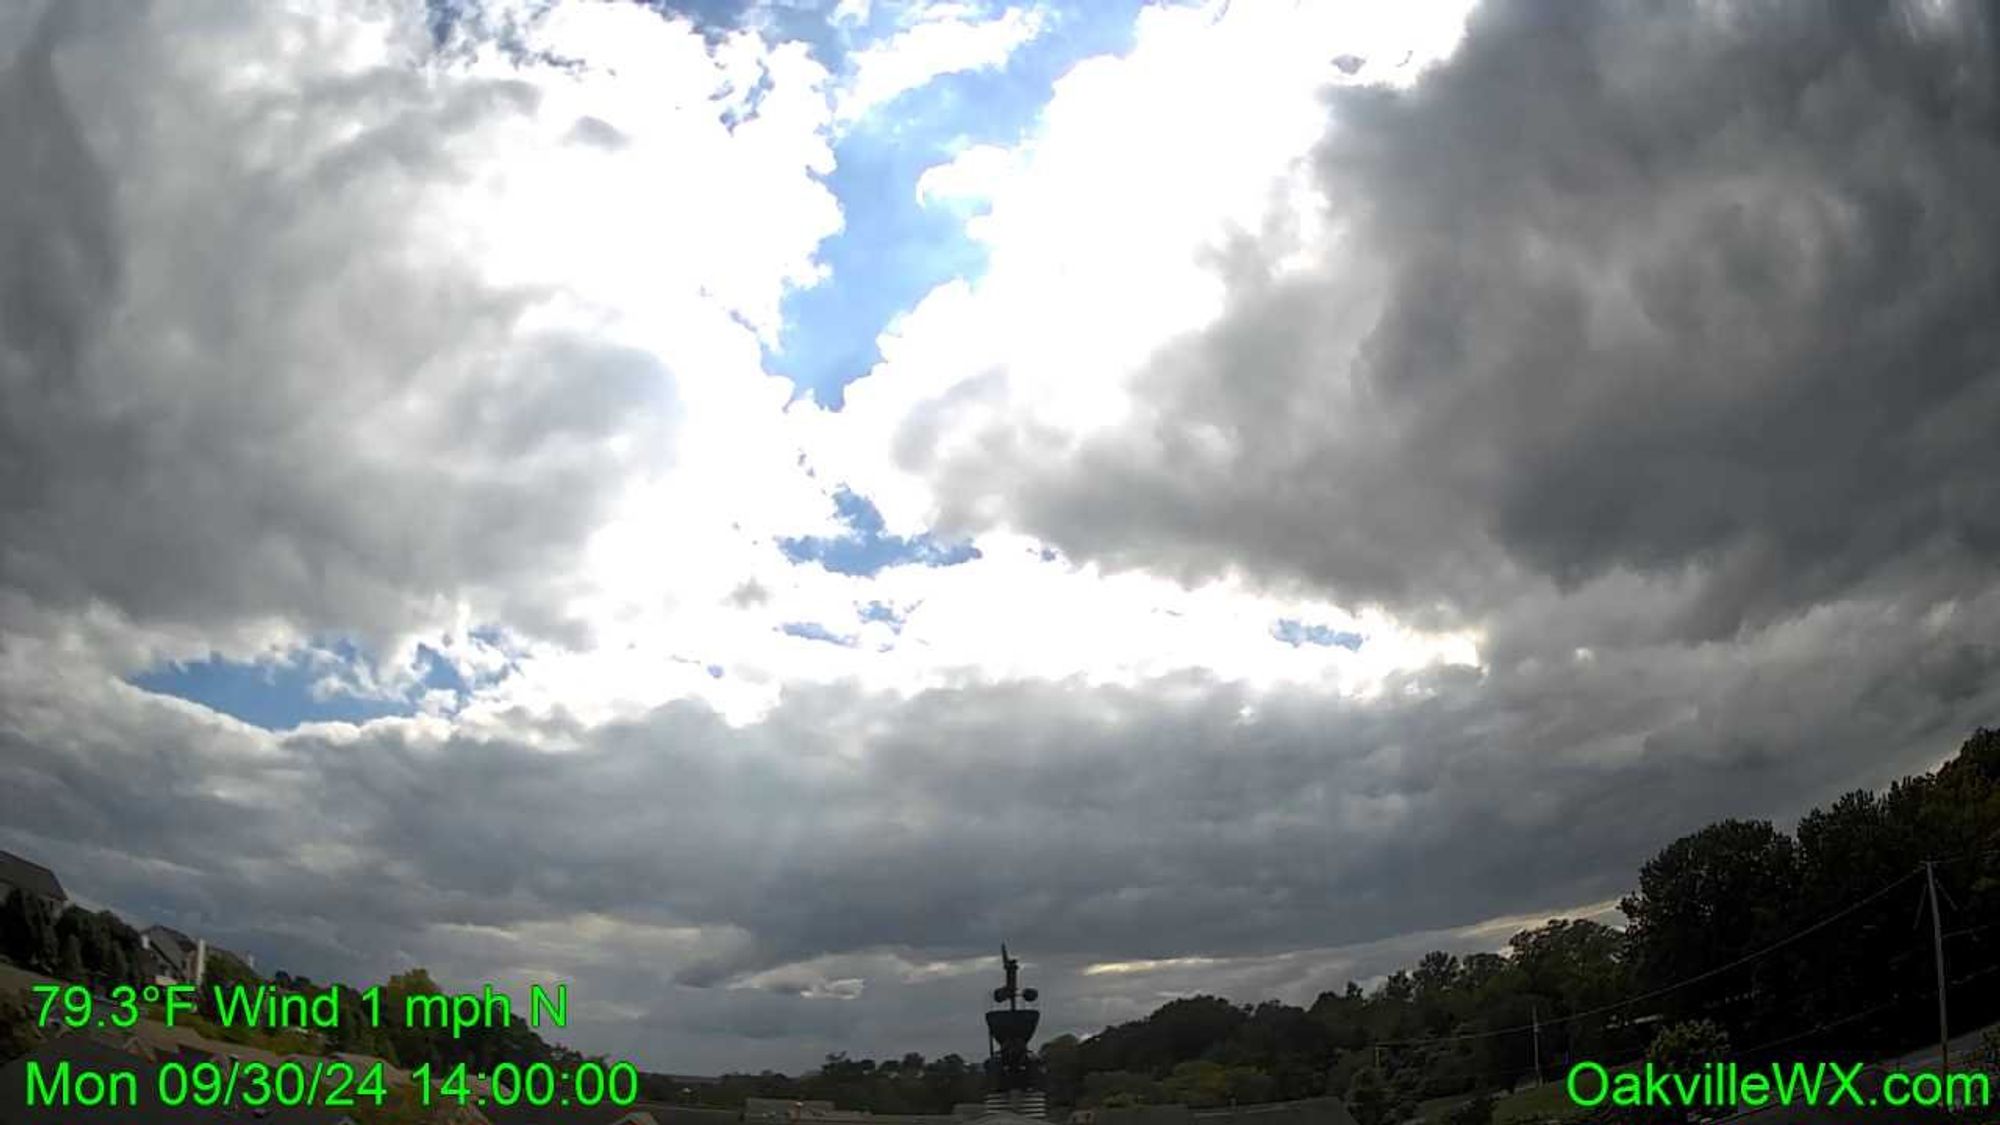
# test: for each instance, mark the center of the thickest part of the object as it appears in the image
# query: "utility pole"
(1937, 948)
(1535, 1012)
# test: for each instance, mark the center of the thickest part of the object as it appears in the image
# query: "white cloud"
(943, 40)
(851, 13)
(653, 195)
(1101, 228)
(974, 175)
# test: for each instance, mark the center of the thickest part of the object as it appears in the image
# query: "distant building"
(173, 957)
(17, 874)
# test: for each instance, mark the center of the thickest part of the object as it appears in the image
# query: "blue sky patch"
(893, 250)
(278, 693)
(1295, 633)
(866, 550)
(884, 613)
(814, 631)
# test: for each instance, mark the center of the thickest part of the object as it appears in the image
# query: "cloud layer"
(1606, 400)
(1704, 303)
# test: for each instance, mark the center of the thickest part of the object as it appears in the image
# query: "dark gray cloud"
(1703, 295)
(243, 376)
(727, 865)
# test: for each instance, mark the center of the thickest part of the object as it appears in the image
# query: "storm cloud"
(1706, 297)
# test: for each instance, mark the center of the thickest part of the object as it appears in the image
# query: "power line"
(1943, 984)
(1898, 998)
(1829, 1025)
(1976, 853)
(1677, 985)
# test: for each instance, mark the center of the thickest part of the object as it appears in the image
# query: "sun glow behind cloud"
(590, 197)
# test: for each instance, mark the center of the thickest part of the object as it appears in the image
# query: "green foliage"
(1115, 1088)
(223, 970)
(911, 1084)
(1685, 1048)
(1710, 898)
(28, 931)
(1204, 1084)
(1369, 1099)
(1478, 1110)
(1062, 1069)
(108, 952)
(1449, 1027)
(69, 964)
(1679, 1048)
(18, 1033)
(1987, 1055)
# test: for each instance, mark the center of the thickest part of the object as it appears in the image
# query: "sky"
(745, 508)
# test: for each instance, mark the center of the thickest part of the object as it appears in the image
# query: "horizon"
(742, 508)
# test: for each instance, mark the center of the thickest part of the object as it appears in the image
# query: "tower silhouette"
(1013, 1072)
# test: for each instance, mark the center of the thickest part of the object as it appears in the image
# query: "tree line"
(1740, 937)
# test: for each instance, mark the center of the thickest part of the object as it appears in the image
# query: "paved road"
(1870, 1085)
(1962, 1049)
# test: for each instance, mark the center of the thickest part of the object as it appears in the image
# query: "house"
(173, 957)
(17, 874)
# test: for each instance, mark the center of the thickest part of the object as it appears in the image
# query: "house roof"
(173, 946)
(30, 876)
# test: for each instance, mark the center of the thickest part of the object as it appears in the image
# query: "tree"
(28, 928)
(1120, 1087)
(1062, 1069)
(69, 965)
(1685, 1048)
(1368, 1097)
(1709, 898)
(222, 970)
(1571, 965)
(1436, 974)
(108, 949)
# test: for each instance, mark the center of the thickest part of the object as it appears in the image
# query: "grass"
(1547, 1101)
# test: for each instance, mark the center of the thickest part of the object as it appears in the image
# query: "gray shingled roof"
(30, 876)
(173, 946)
